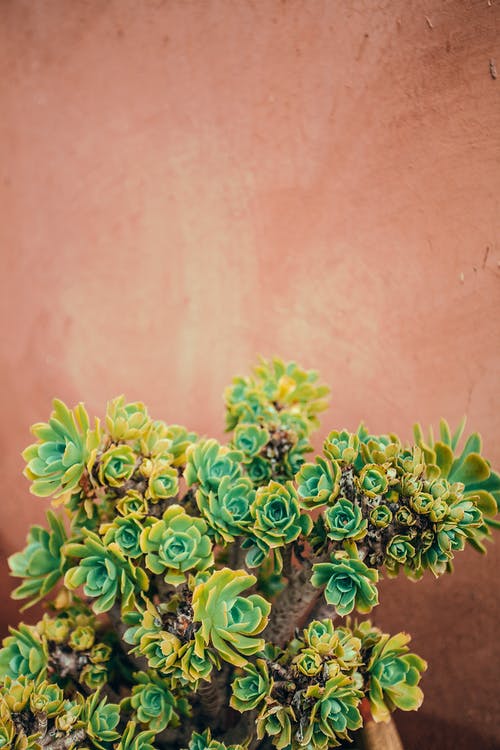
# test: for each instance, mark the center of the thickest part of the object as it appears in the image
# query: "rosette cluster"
(204, 623)
(35, 714)
(384, 505)
(308, 695)
(272, 413)
(71, 645)
(160, 533)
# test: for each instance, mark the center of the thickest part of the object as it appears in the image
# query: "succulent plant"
(117, 465)
(394, 674)
(163, 481)
(275, 721)
(228, 511)
(160, 523)
(251, 687)
(151, 701)
(229, 621)
(277, 515)
(133, 740)
(348, 583)
(126, 421)
(175, 544)
(24, 654)
(204, 741)
(318, 483)
(100, 719)
(55, 464)
(42, 562)
(208, 463)
(250, 439)
(335, 712)
(105, 573)
(344, 520)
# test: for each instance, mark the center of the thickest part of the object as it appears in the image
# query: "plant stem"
(115, 616)
(292, 606)
(66, 741)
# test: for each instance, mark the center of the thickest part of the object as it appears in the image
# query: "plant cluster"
(187, 575)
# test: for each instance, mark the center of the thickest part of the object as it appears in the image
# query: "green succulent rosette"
(7, 727)
(42, 562)
(55, 464)
(126, 421)
(400, 549)
(348, 583)
(195, 662)
(133, 740)
(228, 511)
(277, 515)
(132, 503)
(82, 638)
(322, 637)
(259, 470)
(125, 532)
(373, 480)
(381, 516)
(163, 481)
(394, 674)
(275, 721)
(161, 650)
(377, 449)
(250, 439)
(251, 687)
(179, 440)
(422, 503)
(404, 516)
(204, 741)
(116, 465)
(344, 520)
(100, 719)
(207, 462)
(468, 467)
(100, 653)
(94, 676)
(105, 574)
(308, 662)
(55, 629)
(24, 654)
(16, 692)
(348, 650)
(176, 544)
(318, 483)
(341, 446)
(47, 698)
(151, 701)
(334, 714)
(292, 389)
(230, 622)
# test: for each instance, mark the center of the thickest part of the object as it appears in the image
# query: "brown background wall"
(186, 184)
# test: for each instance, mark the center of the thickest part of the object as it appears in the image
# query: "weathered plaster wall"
(186, 184)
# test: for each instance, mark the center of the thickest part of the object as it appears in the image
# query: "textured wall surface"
(186, 184)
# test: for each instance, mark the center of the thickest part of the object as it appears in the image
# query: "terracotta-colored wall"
(186, 184)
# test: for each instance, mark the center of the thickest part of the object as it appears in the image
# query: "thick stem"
(293, 605)
(66, 741)
(322, 611)
(67, 663)
(237, 556)
(115, 616)
(287, 561)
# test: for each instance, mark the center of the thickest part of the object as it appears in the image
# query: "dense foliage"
(195, 584)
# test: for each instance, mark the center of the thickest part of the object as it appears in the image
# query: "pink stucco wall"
(184, 185)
